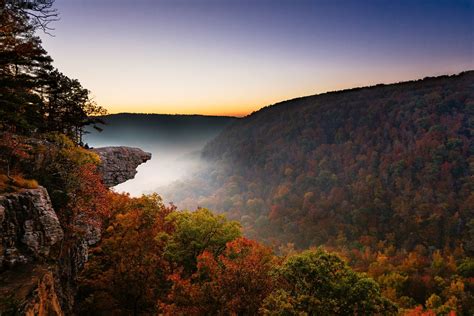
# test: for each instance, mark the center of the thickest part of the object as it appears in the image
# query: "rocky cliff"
(37, 276)
(119, 164)
(30, 236)
(29, 227)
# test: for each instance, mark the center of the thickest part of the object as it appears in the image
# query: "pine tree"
(35, 97)
(23, 66)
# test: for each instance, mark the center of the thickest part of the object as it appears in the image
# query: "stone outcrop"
(37, 276)
(118, 164)
(29, 227)
(29, 233)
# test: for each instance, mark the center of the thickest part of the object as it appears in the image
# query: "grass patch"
(16, 183)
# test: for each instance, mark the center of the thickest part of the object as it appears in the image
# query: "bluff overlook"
(118, 164)
(31, 237)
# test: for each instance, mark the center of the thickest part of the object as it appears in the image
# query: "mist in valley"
(175, 142)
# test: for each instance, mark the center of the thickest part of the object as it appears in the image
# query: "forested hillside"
(387, 163)
(383, 175)
(70, 246)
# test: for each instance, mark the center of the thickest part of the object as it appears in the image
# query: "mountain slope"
(385, 163)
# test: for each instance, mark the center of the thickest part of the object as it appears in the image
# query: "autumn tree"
(233, 283)
(145, 246)
(12, 149)
(127, 273)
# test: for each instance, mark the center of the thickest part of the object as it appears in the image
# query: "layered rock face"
(118, 164)
(37, 276)
(29, 232)
(29, 227)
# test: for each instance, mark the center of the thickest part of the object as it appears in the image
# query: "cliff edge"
(119, 164)
(33, 281)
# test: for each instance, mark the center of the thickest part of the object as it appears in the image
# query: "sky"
(229, 57)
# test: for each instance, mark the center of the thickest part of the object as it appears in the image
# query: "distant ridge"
(424, 80)
(139, 128)
(167, 115)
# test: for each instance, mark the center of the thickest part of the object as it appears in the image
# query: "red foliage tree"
(12, 150)
(234, 283)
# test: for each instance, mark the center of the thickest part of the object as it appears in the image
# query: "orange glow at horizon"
(150, 109)
(240, 104)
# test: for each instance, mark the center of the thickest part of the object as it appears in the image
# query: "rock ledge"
(118, 164)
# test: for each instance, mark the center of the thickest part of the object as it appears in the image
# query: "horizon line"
(242, 115)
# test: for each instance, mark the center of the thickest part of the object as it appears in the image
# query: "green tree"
(195, 232)
(320, 283)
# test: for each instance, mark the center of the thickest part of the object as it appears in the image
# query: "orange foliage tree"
(233, 283)
(127, 270)
(12, 149)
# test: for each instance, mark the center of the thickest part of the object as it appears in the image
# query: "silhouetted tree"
(23, 66)
(68, 106)
(33, 96)
(39, 13)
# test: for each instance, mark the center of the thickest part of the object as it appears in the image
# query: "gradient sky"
(234, 57)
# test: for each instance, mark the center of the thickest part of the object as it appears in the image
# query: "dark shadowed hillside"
(388, 163)
(175, 142)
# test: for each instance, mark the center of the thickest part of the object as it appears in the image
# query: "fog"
(175, 143)
(169, 162)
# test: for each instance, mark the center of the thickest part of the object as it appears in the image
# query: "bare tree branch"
(40, 13)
